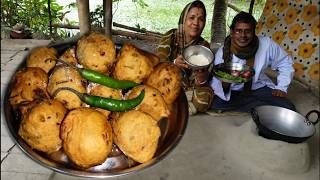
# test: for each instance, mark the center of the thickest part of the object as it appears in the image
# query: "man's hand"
(179, 61)
(279, 93)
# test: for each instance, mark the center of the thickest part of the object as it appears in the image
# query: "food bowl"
(233, 72)
(198, 56)
(117, 163)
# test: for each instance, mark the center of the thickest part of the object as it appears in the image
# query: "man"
(243, 46)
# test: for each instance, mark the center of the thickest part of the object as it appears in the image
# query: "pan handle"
(255, 116)
(310, 112)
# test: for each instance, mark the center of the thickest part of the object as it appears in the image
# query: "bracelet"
(202, 82)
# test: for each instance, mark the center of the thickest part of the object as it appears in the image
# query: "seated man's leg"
(265, 95)
(237, 102)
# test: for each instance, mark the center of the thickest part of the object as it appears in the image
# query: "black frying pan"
(283, 124)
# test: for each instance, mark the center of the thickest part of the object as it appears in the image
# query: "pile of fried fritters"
(87, 134)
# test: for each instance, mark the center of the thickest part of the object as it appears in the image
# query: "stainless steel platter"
(228, 68)
(117, 164)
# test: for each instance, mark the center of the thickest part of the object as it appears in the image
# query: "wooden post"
(83, 14)
(50, 18)
(251, 6)
(107, 6)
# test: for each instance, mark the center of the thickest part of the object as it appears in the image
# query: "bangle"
(174, 61)
(202, 82)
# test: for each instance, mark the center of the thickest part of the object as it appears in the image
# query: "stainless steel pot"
(283, 124)
(197, 50)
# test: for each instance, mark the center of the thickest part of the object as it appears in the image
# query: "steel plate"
(117, 164)
(228, 67)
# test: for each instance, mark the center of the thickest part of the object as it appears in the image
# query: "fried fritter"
(69, 56)
(106, 92)
(154, 59)
(40, 125)
(136, 134)
(42, 57)
(96, 52)
(132, 65)
(87, 137)
(153, 102)
(65, 76)
(167, 79)
(29, 84)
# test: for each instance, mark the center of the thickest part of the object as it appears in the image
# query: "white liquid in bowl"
(199, 60)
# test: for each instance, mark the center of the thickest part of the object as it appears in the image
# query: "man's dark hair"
(243, 17)
(199, 4)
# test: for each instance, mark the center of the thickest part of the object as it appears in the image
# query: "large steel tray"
(117, 164)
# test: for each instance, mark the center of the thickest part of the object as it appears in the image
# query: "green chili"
(102, 79)
(229, 76)
(106, 103)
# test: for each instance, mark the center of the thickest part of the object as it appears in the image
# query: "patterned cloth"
(294, 25)
(171, 45)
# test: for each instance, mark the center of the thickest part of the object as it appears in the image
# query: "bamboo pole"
(107, 6)
(135, 35)
(136, 29)
(83, 14)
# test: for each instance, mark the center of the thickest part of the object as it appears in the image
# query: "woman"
(191, 23)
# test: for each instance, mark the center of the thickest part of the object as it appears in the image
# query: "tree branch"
(135, 35)
(234, 7)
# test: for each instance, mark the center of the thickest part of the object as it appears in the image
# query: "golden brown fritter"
(87, 137)
(132, 65)
(65, 76)
(96, 52)
(42, 57)
(69, 56)
(40, 125)
(106, 92)
(167, 79)
(154, 59)
(153, 102)
(29, 84)
(136, 134)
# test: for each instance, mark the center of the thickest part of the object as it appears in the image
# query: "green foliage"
(151, 15)
(161, 16)
(141, 3)
(33, 14)
(96, 17)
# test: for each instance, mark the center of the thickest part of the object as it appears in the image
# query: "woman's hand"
(201, 77)
(179, 61)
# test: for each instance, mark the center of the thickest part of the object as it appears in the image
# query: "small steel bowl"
(197, 50)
